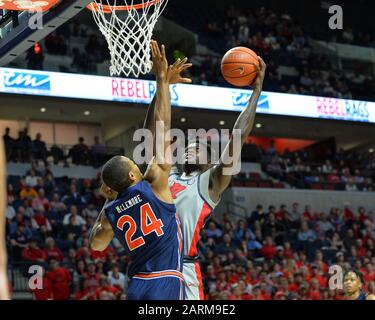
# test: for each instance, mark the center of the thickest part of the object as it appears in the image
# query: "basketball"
(239, 66)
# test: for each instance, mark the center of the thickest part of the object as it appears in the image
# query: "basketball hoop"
(128, 30)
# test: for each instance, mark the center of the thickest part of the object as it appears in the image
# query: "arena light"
(258, 125)
(43, 109)
(87, 113)
(371, 150)
(183, 120)
(222, 122)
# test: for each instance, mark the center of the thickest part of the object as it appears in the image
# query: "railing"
(18, 276)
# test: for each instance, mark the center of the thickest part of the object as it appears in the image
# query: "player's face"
(196, 158)
(352, 283)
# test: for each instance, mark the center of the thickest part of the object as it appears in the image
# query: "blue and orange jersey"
(150, 231)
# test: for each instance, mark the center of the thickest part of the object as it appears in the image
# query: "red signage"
(23, 5)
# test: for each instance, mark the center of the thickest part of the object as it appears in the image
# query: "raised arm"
(173, 77)
(4, 290)
(220, 176)
(158, 171)
(162, 110)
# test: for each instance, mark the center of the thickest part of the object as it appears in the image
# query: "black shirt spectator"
(9, 144)
(39, 148)
(79, 152)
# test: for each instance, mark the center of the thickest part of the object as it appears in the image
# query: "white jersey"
(194, 206)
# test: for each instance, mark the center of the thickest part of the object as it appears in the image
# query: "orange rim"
(109, 9)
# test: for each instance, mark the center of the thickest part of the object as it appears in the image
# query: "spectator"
(226, 246)
(57, 204)
(41, 200)
(23, 146)
(9, 144)
(10, 212)
(60, 279)
(44, 292)
(117, 278)
(39, 220)
(213, 231)
(35, 57)
(268, 250)
(350, 185)
(39, 149)
(57, 154)
(77, 219)
(79, 152)
(33, 253)
(306, 234)
(295, 214)
(74, 198)
(53, 252)
(19, 240)
(105, 286)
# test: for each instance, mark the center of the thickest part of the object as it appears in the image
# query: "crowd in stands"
(278, 253)
(281, 41)
(85, 56)
(348, 171)
(24, 149)
(277, 37)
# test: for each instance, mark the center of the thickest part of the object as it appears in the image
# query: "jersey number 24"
(149, 224)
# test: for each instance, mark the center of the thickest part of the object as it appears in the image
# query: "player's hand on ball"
(175, 70)
(159, 60)
(258, 83)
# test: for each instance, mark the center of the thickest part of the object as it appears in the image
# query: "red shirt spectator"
(293, 287)
(105, 286)
(52, 251)
(348, 214)
(40, 220)
(314, 295)
(33, 253)
(268, 250)
(308, 214)
(60, 279)
(102, 255)
(92, 277)
(45, 293)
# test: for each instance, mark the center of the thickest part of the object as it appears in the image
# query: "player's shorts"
(193, 281)
(156, 286)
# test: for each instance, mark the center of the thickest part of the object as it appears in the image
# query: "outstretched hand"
(258, 84)
(175, 70)
(159, 60)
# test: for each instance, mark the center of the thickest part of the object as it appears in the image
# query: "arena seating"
(273, 254)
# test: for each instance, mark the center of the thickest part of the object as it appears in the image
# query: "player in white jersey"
(197, 190)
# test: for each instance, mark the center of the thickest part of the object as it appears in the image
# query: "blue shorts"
(167, 288)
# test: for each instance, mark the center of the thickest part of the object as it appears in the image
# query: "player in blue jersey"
(353, 286)
(143, 216)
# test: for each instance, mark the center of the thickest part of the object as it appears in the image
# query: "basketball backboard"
(20, 30)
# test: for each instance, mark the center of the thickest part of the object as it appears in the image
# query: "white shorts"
(193, 281)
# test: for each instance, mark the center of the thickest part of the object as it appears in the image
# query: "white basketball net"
(128, 33)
